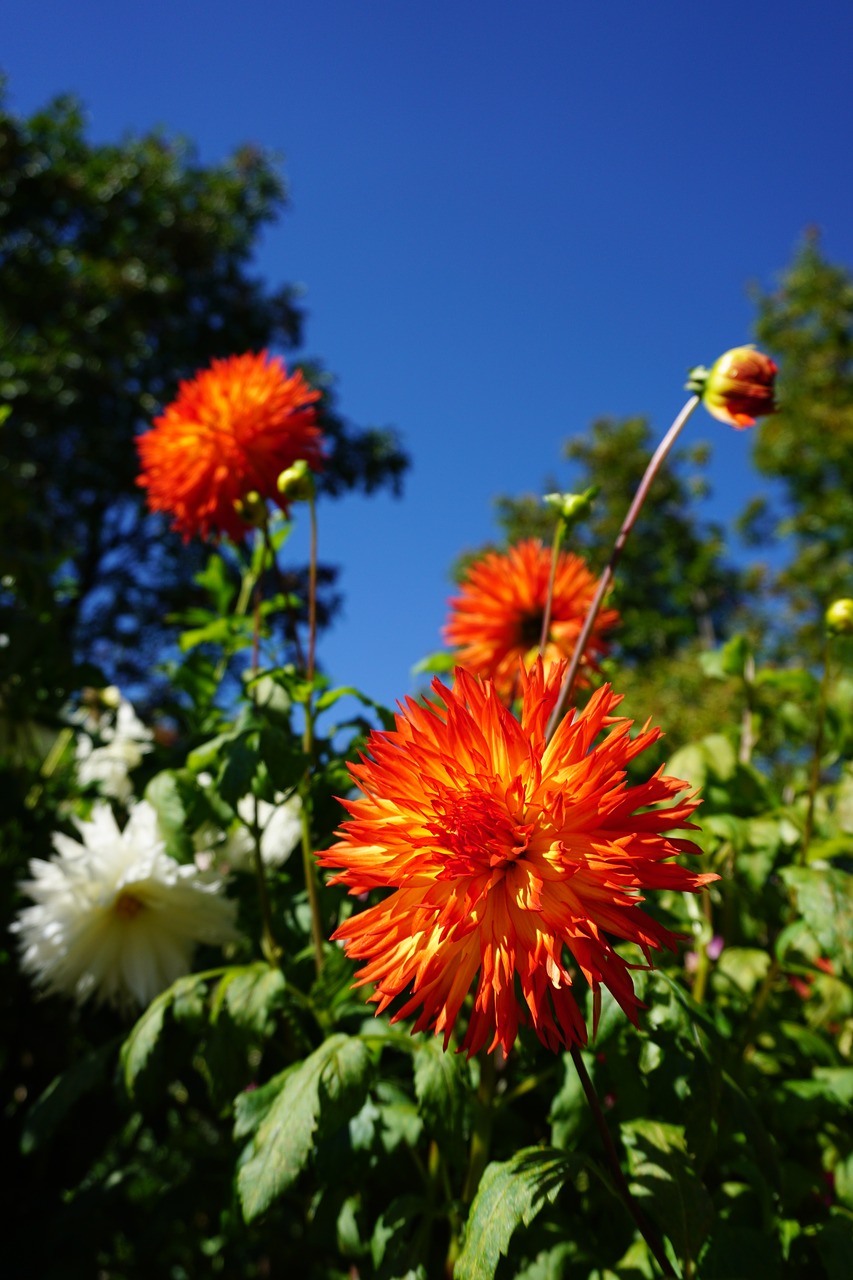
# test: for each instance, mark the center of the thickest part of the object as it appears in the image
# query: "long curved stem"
(645, 1227)
(606, 578)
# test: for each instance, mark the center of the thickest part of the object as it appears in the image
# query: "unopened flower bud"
(296, 483)
(839, 617)
(252, 510)
(738, 388)
(572, 506)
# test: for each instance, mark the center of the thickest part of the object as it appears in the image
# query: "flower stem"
(272, 951)
(814, 781)
(606, 578)
(549, 600)
(308, 862)
(644, 1226)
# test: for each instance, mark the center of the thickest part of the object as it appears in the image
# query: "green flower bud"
(296, 483)
(839, 617)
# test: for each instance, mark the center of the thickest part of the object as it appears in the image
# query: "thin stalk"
(549, 600)
(607, 576)
(308, 862)
(814, 780)
(312, 589)
(272, 951)
(643, 1225)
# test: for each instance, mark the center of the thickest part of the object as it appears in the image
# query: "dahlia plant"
(523, 1005)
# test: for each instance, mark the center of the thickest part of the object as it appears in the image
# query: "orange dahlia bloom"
(513, 866)
(496, 620)
(230, 432)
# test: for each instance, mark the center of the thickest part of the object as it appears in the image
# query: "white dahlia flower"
(124, 739)
(115, 916)
(281, 831)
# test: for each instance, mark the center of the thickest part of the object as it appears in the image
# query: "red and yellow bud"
(738, 388)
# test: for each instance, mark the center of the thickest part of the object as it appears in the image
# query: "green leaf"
(216, 632)
(824, 897)
(86, 1074)
(744, 966)
(398, 1244)
(139, 1045)
(311, 1101)
(440, 1091)
(251, 996)
(441, 662)
(164, 794)
(663, 1176)
(216, 582)
(241, 762)
(510, 1194)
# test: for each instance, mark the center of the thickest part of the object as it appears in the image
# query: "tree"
(807, 324)
(123, 268)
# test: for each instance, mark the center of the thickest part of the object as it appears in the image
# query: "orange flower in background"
(229, 433)
(738, 388)
(496, 620)
(511, 864)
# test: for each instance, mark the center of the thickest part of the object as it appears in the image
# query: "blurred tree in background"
(807, 325)
(123, 269)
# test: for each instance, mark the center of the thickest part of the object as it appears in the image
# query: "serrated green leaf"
(510, 1194)
(251, 996)
(663, 1177)
(316, 1097)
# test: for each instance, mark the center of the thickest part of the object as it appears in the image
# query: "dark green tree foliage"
(123, 268)
(673, 584)
(807, 325)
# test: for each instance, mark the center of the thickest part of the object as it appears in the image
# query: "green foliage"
(289, 1116)
(510, 1194)
(806, 323)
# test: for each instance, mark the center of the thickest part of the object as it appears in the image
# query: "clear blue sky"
(508, 218)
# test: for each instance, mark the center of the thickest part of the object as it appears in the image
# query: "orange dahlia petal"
(496, 620)
(511, 866)
(230, 431)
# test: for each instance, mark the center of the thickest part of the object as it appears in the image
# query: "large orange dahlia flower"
(496, 620)
(231, 431)
(513, 865)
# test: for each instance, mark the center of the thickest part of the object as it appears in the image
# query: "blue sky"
(508, 219)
